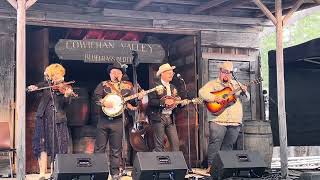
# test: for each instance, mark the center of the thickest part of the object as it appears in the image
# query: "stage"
(198, 174)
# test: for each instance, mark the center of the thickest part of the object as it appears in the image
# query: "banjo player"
(109, 128)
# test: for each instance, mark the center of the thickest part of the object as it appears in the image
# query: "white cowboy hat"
(227, 65)
(165, 67)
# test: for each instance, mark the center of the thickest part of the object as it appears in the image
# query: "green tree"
(305, 29)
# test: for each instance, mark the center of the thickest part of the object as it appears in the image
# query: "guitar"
(179, 101)
(228, 98)
(119, 102)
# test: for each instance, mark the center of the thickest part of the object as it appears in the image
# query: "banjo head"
(118, 105)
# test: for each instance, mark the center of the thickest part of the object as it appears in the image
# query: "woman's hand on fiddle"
(68, 92)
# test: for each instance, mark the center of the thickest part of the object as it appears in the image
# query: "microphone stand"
(243, 91)
(124, 144)
(135, 90)
(188, 127)
(236, 79)
(54, 110)
(135, 63)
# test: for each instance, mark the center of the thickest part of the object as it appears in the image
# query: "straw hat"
(227, 65)
(165, 67)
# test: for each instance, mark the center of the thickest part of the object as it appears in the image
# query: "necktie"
(168, 89)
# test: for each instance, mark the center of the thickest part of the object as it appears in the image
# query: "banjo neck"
(128, 98)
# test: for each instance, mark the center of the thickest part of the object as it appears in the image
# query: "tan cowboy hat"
(227, 65)
(165, 67)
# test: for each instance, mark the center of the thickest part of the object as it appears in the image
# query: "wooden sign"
(108, 51)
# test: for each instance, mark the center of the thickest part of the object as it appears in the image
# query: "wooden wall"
(183, 56)
(241, 49)
(37, 58)
(7, 73)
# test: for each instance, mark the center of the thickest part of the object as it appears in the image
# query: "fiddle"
(62, 87)
(65, 89)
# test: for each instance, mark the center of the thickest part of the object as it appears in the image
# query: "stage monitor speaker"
(81, 166)
(310, 176)
(159, 165)
(237, 163)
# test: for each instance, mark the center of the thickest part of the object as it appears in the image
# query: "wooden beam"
(29, 3)
(185, 17)
(141, 21)
(229, 6)
(293, 9)
(281, 92)
(288, 5)
(93, 2)
(141, 4)
(13, 3)
(229, 39)
(272, 9)
(208, 5)
(254, 7)
(20, 89)
(180, 2)
(266, 11)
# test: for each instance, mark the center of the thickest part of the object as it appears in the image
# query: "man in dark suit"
(111, 128)
(161, 117)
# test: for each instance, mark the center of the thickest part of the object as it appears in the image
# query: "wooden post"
(280, 77)
(281, 92)
(21, 86)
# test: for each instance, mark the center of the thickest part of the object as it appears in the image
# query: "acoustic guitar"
(228, 98)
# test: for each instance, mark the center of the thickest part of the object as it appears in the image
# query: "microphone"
(184, 83)
(179, 76)
(124, 66)
(234, 70)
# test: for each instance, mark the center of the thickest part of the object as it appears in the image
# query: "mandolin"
(180, 101)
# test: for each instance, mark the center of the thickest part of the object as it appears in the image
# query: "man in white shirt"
(161, 117)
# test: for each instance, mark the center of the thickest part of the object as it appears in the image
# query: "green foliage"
(303, 30)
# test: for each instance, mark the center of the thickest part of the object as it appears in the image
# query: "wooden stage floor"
(198, 174)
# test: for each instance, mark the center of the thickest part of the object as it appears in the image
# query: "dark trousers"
(165, 127)
(221, 138)
(110, 131)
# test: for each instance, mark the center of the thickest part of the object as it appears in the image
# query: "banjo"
(119, 102)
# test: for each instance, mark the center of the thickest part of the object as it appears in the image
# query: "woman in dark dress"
(42, 140)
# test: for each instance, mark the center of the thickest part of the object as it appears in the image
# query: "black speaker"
(310, 176)
(81, 166)
(159, 165)
(237, 163)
